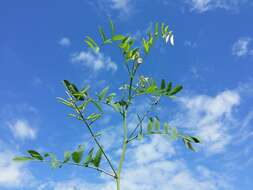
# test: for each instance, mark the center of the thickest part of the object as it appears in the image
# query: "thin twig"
(76, 164)
(95, 139)
(141, 120)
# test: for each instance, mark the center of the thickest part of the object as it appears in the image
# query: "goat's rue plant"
(80, 100)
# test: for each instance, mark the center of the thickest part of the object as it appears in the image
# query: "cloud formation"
(210, 118)
(94, 61)
(201, 6)
(12, 175)
(242, 47)
(21, 129)
(65, 42)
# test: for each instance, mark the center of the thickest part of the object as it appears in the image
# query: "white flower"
(172, 39)
(139, 60)
(167, 38)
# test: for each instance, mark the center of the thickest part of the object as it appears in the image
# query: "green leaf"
(162, 30)
(67, 156)
(35, 155)
(92, 41)
(88, 158)
(116, 106)
(192, 139)
(157, 124)
(103, 93)
(97, 159)
(84, 104)
(65, 102)
(195, 139)
(89, 44)
(146, 46)
(22, 159)
(112, 27)
(166, 30)
(169, 86)
(150, 125)
(73, 90)
(151, 89)
(174, 134)
(163, 84)
(118, 37)
(166, 128)
(101, 31)
(54, 161)
(188, 144)
(84, 90)
(97, 104)
(93, 117)
(110, 97)
(78, 154)
(140, 136)
(176, 90)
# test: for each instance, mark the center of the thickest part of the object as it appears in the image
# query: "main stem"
(122, 157)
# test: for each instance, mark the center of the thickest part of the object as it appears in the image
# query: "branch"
(130, 138)
(94, 137)
(76, 164)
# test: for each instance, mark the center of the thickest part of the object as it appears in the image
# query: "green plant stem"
(95, 139)
(130, 138)
(122, 157)
(76, 164)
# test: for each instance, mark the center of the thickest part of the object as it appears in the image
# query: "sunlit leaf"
(97, 104)
(103, 93)
(176, 90)
(78, 154)
(112, 27)
(22, 159)
(118, 37)
(89, 158)
(35, 155)
(67, 156)
(97, 158)
(163, 84)
(101, 31)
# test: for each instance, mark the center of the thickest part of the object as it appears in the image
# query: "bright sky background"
(41, 43)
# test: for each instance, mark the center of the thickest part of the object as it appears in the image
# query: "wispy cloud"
(122, 8)
(139, 172)
(21, 129)
(93, 60)
(242, 47)
(201, 6)
(210, 118)
(13, 175)
(65, 41)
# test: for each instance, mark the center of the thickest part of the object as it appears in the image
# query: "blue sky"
(41, 43)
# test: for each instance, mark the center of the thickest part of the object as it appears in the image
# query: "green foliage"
(78, 154)
(88, 109)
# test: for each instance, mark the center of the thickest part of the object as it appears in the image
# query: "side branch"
(95, 139)
(131, 136)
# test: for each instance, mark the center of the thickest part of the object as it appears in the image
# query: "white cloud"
(65, 41)
(158, 148)
(21, 129)
(122, 8)
(206, 5)
(210, 118)
(95, 61)
(120, 4)
(13, 175)
(148, 168)
(241, 47)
